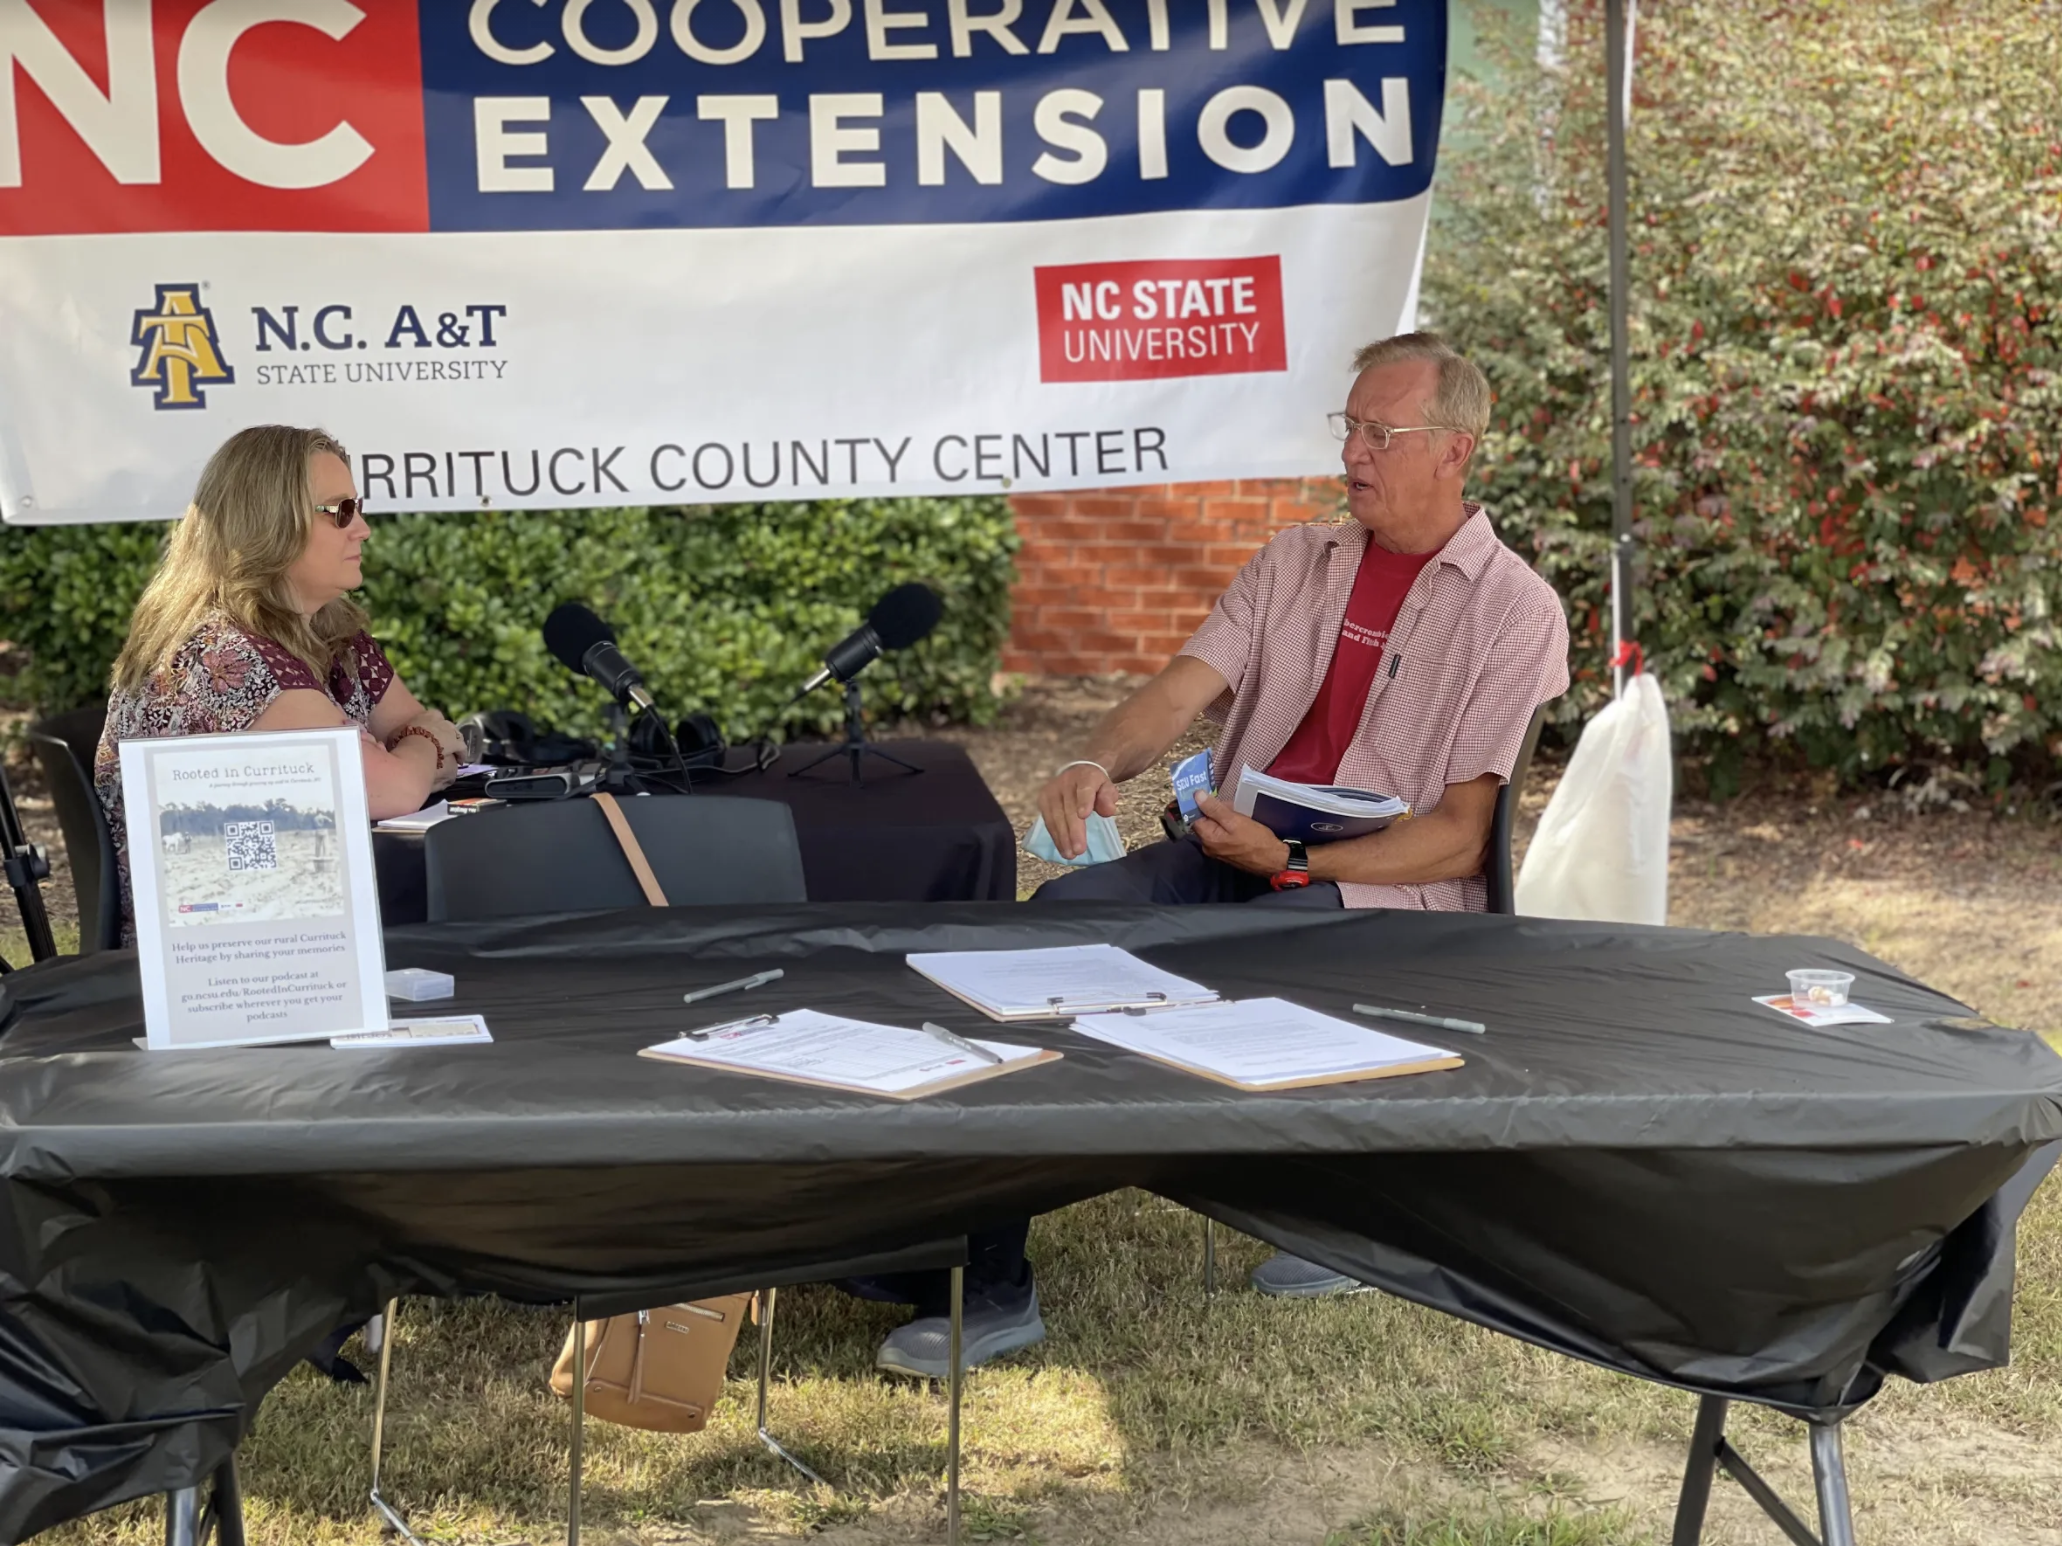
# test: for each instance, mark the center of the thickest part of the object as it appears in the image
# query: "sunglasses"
(342, 511)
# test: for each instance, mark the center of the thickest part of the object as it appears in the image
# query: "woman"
(248, 625)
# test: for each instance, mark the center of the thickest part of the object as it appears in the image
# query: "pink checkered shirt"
(1481, 642)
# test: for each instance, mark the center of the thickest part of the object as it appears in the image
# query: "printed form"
(1265, 1044)
(1055, 981)
(860, 1055)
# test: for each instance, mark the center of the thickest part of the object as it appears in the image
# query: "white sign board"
(257, 912)
(549, 254)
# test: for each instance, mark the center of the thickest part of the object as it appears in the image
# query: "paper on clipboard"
(1055, 981)
(1266, 1044)
(833, 1052)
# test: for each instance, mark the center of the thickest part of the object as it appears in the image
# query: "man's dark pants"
(1170, 874)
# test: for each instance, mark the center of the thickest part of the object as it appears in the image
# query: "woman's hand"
(428, 730)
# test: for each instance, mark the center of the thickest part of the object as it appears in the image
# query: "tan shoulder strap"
(633, 850)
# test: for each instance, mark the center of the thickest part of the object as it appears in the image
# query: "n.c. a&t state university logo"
(179, 349)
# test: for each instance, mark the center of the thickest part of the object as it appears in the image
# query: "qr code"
(251, 845)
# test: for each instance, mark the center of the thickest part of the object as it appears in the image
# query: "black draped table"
(1637, 1166)
(934, 836)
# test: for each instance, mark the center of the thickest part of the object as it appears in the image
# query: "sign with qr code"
(250, 864)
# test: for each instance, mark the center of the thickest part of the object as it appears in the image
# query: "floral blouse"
(221, 680)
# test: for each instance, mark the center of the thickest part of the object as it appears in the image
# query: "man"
(1403, 653)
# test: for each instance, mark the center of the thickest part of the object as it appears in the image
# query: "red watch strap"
(1289, 880)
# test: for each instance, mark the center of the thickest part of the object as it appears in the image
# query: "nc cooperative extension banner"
(550, 253)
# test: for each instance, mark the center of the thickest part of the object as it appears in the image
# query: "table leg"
(767, 1298)
(579, 1423)
(1209, 1257)
(182, 1517)
(1705, 1438)
(225, 1506)
(955, 1378)
(1829, 1471)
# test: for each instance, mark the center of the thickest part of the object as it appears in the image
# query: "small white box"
(418, 984)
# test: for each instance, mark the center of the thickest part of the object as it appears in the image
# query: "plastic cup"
(1820, 990)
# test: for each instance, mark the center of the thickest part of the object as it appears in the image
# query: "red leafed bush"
(1847, 366)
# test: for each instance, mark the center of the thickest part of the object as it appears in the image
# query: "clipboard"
(1351, 1076)
(936, 1087)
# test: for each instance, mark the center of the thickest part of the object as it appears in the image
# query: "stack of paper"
(832, 1052)
(1055, 982)
(1266, 1044)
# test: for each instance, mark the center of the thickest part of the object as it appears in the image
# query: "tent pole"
(1617, 45)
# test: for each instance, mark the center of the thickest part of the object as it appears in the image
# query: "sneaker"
(923, 1348)
(1291, 1277)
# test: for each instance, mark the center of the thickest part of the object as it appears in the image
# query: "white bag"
(1601, 851)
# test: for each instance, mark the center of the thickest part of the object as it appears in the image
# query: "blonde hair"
(1461, 400)
(250, 519)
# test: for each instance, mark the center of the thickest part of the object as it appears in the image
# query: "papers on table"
(837, 1053)
(1057, 981)
(1265, 1044)
(440, 1031)
(1822, 1014)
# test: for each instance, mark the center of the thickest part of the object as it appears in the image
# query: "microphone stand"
(855, 747)
(618, 777)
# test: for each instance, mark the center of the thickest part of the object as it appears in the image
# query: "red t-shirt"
(1379, 586)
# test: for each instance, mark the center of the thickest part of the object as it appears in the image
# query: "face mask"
(1104, 844)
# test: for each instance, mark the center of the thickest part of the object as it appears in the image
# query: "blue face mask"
(1104, 844)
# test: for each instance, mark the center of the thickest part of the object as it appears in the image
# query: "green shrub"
(1847, 279)
(727, 609)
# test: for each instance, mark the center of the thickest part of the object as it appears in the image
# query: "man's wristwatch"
(1297, 873)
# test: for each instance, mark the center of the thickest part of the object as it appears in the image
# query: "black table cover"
(935, 836)
(1637, 1166)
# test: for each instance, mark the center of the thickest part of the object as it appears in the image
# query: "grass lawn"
(1154, 1416)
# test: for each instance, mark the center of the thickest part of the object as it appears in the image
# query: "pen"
(1441, 1021)
(756, 980)
(959, 1043)
(751, 1023)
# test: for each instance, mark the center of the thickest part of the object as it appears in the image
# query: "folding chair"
(65, 745)
(560, 856)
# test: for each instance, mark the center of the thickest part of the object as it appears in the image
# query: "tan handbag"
(658, 1369)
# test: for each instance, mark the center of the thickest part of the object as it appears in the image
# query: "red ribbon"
(1630, 654)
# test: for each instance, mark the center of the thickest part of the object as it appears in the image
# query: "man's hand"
(1237, 840)
(1066, 800)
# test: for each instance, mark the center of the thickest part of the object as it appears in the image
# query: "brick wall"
(1117, 579)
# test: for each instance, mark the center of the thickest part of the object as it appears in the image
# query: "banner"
(558, 253)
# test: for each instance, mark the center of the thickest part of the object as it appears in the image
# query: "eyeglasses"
(1375, 436)
(342, 511)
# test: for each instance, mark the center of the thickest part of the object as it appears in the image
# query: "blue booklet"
(1314, 813)
(1191, 778)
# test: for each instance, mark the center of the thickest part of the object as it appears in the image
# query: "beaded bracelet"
(407, 730)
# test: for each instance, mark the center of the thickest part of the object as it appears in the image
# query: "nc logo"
(179, 352)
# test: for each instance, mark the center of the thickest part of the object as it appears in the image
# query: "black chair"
(65, 746)
(1496, 867)
(561, 857)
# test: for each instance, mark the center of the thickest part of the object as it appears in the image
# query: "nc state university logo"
(179, 352)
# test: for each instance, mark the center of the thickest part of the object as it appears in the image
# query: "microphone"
(586, 646)
(899, 619)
